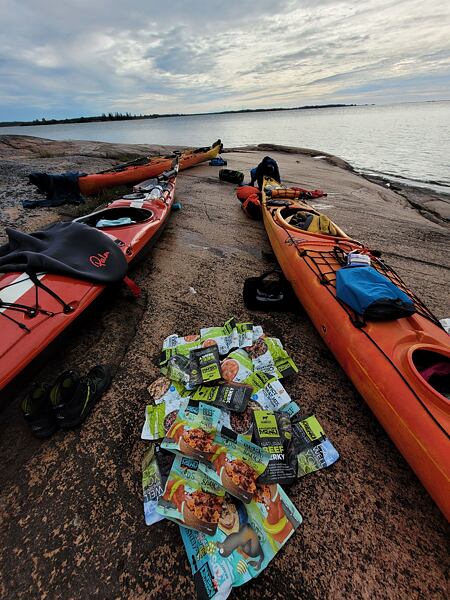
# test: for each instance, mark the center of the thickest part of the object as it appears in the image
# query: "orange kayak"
(387, 361)
(145, 168)
(32, 316)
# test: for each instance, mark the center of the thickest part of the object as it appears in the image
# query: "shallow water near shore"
(409, 142)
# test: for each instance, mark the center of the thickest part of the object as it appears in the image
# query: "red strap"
(132, 286)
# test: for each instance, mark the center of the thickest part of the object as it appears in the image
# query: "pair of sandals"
(66, 403)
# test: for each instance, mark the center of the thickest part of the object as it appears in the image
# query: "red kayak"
(35, 309)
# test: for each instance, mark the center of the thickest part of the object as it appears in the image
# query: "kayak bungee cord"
(330, 286)
(32, 311)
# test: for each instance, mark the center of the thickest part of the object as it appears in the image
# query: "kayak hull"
(24, 338)
(378, 357)
(132, 174)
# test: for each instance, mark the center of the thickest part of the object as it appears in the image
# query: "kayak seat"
(136, 215)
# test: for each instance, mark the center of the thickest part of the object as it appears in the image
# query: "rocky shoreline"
(70, 507)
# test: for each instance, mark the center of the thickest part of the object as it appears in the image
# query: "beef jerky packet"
(152, 486)
(246, 540)
(193, 431)
(310, 449)
(233, 397)
(190, 497)
(272, 431)
(236, 464)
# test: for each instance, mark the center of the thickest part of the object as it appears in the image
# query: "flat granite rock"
(71, 516)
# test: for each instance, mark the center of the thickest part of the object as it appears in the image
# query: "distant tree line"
(117, 116)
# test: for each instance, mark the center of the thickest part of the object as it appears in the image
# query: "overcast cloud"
(80, 57)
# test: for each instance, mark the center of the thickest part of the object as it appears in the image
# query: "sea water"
(407, 141)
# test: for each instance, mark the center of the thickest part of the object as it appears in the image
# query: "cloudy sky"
(69, 58)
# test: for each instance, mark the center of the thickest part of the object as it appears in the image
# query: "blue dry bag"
(372, 295)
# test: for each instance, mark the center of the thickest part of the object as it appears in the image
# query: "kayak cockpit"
(434, 368)
(116, 217)
(308, 220)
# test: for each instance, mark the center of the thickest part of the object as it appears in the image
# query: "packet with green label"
(230, 396)
(191, 498)
(245, 334)
(268, 392)
(159, 417)
(269, 356)
(236, 464)
(310, 449)
(273, 432)
(204, 367)
(226, 338)
(237, 366)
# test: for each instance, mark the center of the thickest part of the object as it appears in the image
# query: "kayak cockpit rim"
(136, 215)
(281, 215)
(431, 366)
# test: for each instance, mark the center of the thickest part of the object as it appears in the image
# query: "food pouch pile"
(230, 435)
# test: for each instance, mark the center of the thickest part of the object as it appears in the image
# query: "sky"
(70, 58)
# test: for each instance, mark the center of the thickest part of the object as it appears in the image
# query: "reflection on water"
(410, 141)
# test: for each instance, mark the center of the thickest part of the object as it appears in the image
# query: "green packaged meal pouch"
(230, 396)
(310, 449)
(205, 366)
(245, 334)
(247, 538)
(193, 430)
(152, 486)
(272, 431)
(269, 356)
(236, 464)
(174, 345)
(237, 366)
(268, 392)
(226, 338)
(159, 417)
(190, 497)
(164, 390)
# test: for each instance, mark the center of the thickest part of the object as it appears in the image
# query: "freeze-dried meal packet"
(310, 449)
(205, 366)
(237, 366)
(164, 390)
(273, 432)
(268, 392)
(236, 464)
(230, 396)
(226, 338)
(247, 538)
(193, 430)
(269, 356)
(190, 497)
(159, 417)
